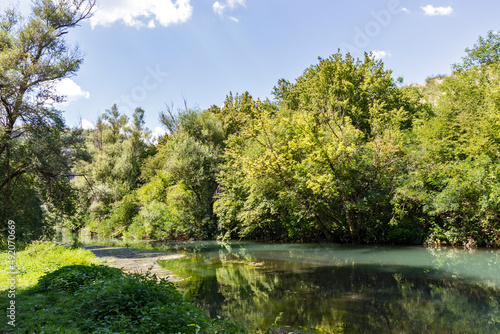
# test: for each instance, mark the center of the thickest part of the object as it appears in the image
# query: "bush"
(142, 303)
(72, 278)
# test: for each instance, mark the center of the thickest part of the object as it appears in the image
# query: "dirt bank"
(133, 260)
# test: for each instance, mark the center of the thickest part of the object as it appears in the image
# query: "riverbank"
(133, 260)
(61, 289)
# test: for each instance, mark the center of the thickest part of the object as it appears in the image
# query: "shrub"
(72, 278)
(122, 216)
(74, 295)
(142, 303)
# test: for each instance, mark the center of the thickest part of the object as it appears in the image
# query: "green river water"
(345, 289)
(325, 288)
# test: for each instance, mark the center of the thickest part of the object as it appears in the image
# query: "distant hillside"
(430, 88)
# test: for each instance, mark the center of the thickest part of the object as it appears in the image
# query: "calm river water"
(325, 288)
(344, 289)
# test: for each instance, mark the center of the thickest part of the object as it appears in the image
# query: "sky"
(153, 53)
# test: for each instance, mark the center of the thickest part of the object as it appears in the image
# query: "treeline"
(345, 153)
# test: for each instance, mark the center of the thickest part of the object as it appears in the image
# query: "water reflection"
(339, 289)
(345, 289)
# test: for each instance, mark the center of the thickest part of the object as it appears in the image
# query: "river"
(344, 289)
(327, 288)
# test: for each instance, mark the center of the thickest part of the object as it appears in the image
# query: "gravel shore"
(133, 260)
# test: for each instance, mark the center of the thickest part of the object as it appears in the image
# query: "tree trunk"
(7, 190)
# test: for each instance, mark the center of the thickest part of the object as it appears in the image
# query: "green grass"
(41, 313)
(40, 258)
(64, 290)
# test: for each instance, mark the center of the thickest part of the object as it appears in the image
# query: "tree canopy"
(343, 153)
(36, 149)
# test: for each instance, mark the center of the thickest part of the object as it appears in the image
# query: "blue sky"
(151, 52)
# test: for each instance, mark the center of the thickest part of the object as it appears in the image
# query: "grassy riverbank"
(65, 290)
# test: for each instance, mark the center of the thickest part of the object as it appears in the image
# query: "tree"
(327, 154)
(247, 203)
(117, 148)
(33, 56)
(194, 153)
(453, 184)
(176, 198)
(485, 52)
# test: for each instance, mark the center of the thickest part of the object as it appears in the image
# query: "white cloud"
(406, 10)
(437, 11)
(220, 8)
(234, 3)
(159, 131)
(142, 13)
(70, 90)
(156, 134)
(87, 125)
(379, 54)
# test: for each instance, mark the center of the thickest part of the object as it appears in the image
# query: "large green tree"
(33, 56)
(322, 161)
(194, 154)
(176, 200)
(485, 52)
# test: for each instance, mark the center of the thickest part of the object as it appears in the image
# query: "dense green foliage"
(36, 149)
(131, 188)
(344, 153)
(72, 278)
(116, 150)
(322, 162)
(140, 303)
(454, 176)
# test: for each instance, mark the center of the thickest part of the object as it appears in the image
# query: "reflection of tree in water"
(483, 265)
(347, 299)
(446, 307)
